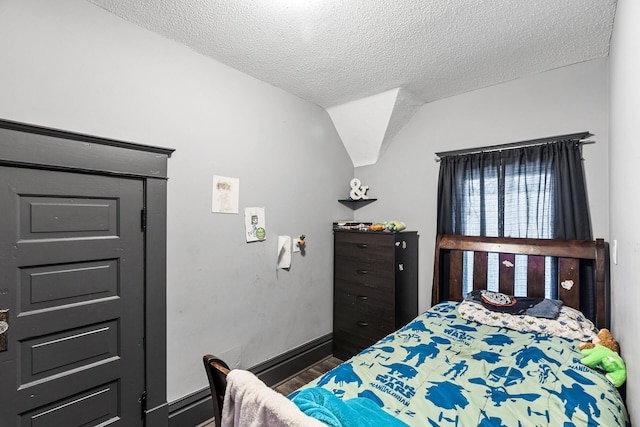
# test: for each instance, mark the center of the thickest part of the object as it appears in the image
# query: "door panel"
(72, 349)
(49, 217)
(64, 284)
(72, 275)
(93, 407)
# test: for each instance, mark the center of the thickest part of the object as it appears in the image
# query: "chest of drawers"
(375, 287)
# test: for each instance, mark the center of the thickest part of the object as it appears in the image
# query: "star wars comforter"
(442, 370)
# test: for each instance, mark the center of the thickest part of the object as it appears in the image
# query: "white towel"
(248, 402)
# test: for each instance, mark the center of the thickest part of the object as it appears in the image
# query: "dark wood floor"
(307, 376)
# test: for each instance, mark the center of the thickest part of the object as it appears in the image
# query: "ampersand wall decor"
(358, 191)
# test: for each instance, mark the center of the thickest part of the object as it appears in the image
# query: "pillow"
(547, 308)
(496, 301)
(571, 323)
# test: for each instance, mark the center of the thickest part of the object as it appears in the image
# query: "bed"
(461, 364)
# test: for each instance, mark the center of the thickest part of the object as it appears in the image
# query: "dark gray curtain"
(572, 219)
(535, 192)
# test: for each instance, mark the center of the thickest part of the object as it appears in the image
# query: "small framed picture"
(226, 193)
(255, 228)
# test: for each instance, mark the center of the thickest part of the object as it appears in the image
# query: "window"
(507, 203)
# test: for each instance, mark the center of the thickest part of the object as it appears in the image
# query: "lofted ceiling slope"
(335, 52)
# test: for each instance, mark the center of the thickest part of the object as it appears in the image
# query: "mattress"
(443, 370)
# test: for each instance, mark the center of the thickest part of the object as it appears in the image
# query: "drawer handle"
(362, 271)
(362, 245)
(363, 324)
(362, 297)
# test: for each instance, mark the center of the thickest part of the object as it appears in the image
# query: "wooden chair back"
(217, 371)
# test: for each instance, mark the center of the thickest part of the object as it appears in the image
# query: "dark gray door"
(72, 280)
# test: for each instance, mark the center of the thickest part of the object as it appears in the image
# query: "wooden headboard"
(582, 280)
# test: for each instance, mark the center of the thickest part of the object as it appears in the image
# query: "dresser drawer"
(361, 333)
(365, 270)
(369, 330)
(364, 245)
(363, 313)
(346, 345)
(376, 297)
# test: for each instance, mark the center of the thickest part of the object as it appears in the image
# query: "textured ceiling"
(371, 63)
(331, 52)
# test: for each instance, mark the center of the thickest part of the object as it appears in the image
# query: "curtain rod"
(568, 137)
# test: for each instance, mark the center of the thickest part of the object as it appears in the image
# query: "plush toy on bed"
(602, 352)
(604, 338)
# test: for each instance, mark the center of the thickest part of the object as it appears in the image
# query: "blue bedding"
(442, 370)
(323, 405)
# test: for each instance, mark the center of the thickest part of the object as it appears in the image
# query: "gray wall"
(68, 64)
(625, 200)
(561, 101)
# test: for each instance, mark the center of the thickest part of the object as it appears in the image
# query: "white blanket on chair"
(248, 402)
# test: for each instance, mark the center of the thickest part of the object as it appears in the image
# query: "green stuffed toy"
(608, 360)
(394, 225)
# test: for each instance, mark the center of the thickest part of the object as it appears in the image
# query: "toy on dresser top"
(388, 226)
